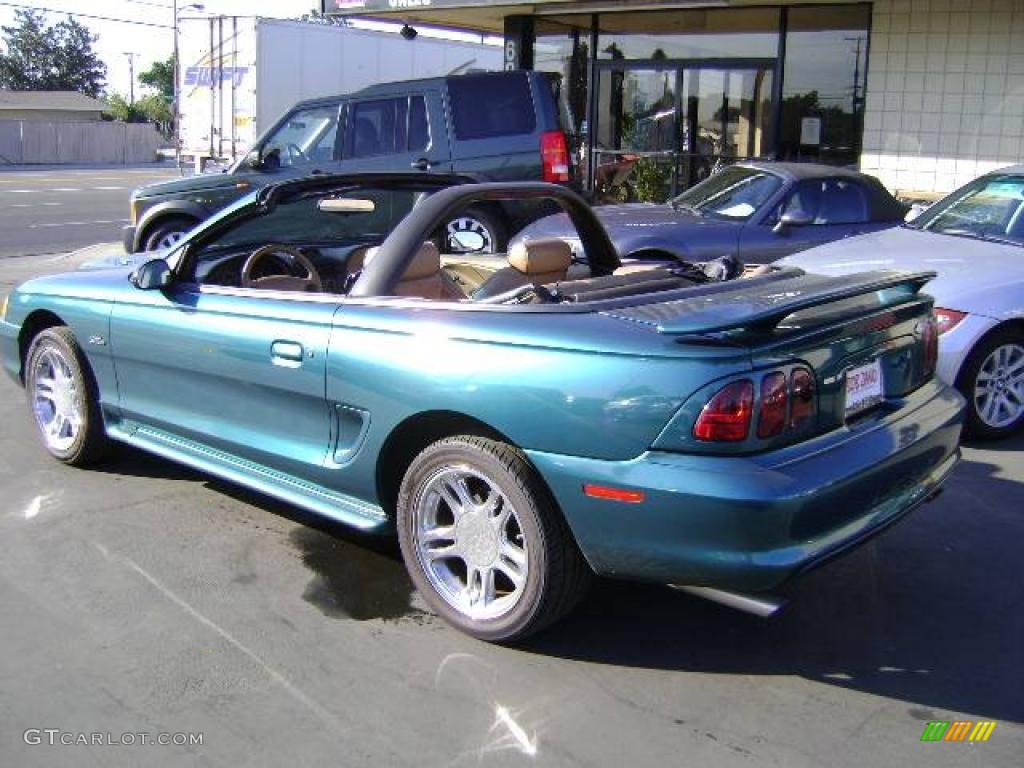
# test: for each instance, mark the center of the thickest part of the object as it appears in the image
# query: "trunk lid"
(863, 337)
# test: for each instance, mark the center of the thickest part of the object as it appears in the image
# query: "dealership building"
(924, 94)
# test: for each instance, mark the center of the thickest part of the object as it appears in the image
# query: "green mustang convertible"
(522, 422)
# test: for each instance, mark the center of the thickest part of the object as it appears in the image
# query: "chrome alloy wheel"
(56, 401)
(169, 239)
(999, 388)
(470, 543)
(472, 225)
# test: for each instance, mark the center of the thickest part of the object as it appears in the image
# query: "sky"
(151, 43)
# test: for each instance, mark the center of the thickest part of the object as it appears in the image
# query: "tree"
(119, 108)
(50, 57)
(151, 108)
(160, 77)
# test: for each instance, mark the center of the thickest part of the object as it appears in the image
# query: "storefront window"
(675, 95)
(823, 85)
(690, 34)
(562, 48)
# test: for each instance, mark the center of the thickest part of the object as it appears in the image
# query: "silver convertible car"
(312, 344)
(756, 211)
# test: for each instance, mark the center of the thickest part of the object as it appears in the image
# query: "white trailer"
(239, 74)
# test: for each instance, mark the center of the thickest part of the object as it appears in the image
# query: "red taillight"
(554, 156)
(726, 417)
(930, 338)
(774, 397)
(947, 319)
(801, 387)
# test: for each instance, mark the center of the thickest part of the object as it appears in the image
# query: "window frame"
(351, 107)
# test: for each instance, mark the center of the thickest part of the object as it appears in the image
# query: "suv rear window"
(495, 105)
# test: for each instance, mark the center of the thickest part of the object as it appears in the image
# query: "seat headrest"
(425, 263)
(538, 257)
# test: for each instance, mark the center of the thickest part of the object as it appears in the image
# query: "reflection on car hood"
(967, 267)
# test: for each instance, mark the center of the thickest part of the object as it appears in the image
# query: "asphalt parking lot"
(54, 211)
(142, 597)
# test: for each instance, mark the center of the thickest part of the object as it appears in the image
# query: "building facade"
(925, 94)
(50, 106)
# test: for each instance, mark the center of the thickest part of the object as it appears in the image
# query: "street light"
(177, 79)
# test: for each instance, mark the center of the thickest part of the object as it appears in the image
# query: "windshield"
(300, 221)
(990, 208)
(307, 136)
(735, 193)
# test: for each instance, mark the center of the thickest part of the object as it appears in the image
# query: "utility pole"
(176, 111)
(131, 76)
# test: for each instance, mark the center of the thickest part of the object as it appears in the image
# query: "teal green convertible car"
(521, 423)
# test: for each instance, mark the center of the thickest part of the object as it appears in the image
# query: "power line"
(144, 2)
(87, 15)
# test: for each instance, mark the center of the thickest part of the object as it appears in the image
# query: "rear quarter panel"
(575, 384)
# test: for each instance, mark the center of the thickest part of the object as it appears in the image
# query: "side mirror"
(254, 160)
(154, 274)
(792, 219)
(915, 210)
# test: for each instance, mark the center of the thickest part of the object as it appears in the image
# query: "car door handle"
(286, 352)
(423, 164)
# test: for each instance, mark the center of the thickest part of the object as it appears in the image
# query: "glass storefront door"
(663, 127)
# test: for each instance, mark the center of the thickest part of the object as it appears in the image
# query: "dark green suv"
(495, 126)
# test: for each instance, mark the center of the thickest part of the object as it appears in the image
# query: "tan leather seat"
(423, 278)
(535, 262)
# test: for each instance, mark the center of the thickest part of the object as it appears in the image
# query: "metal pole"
(131, 76)
(177, 129)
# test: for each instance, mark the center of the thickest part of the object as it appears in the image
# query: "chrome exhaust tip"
(758, 605)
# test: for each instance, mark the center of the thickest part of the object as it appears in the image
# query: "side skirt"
(315, 498)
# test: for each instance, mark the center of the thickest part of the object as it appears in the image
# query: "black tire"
(977, 426)
(166, 229)
(557, 576)
(479, 220)
(90, 443)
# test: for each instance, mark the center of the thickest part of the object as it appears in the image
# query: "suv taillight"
(726, 417)
(554, 156)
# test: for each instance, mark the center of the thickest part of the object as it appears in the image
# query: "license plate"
(863, 387)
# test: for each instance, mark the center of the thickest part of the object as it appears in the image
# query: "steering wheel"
(294, 150)
(311, 282)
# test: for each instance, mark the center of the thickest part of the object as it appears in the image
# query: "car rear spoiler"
(759, 305)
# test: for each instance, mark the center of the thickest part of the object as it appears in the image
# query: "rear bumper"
(750, 523)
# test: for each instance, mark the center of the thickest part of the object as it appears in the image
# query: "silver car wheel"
(170, 239)
(999, 387)
(470, 543)
(56, 401)
(468, 224)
